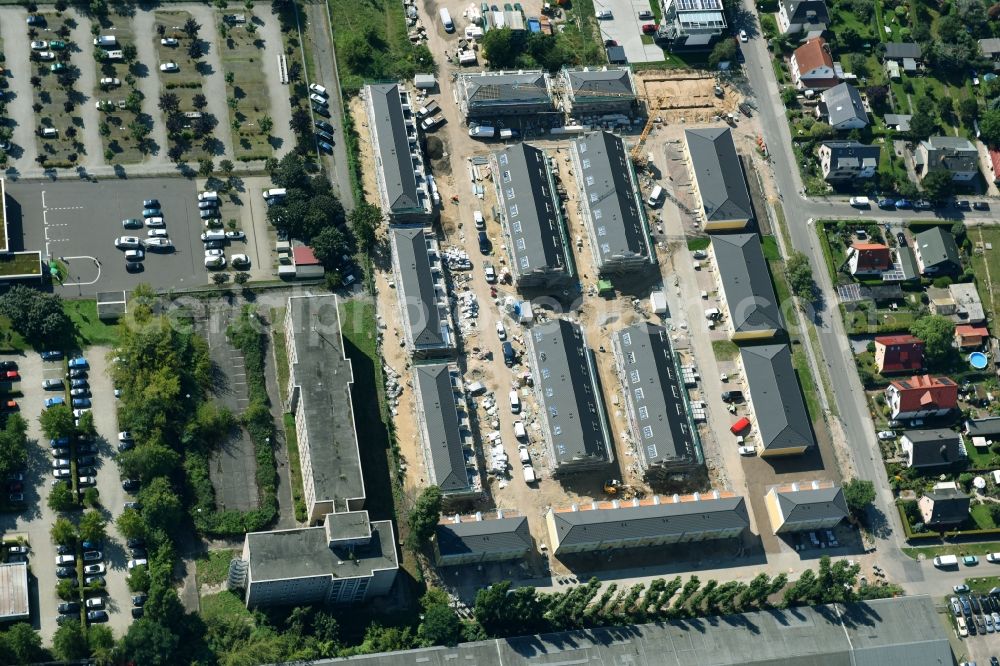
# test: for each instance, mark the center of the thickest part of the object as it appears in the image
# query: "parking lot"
(78, 222)
(625, 27)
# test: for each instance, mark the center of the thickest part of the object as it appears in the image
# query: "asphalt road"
(79, 221)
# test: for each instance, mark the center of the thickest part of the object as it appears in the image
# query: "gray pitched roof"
(532, 210)
(901, 121)
(904, 631)
(988, 427)
(394, 148)
(937, 246)
(809, 503)
(900, 50)
(489, 89)
(807, 11)
(611, 85)
(717, 168)
(989, 46)
(567, 384)
(649, 365)
(439, 412)
(778, 406)
(483, 537)
(843, 103)
(746, 282)
(950, 505)
(952, 153)
(852, 154)
(612, 197)
(650, 521)
(935, 447)
(417, 291)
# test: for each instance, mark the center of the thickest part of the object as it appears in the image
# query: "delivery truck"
(944, 561)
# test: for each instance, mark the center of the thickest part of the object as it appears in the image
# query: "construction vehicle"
(612, 486)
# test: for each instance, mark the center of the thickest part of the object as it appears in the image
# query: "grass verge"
(212, 568)
(953, 549)
(90, 330)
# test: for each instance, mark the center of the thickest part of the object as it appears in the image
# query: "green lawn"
(225, 606)
(10, 340)
(725, 350)
(213, 567)
(89, 329)
(986, 265)
(984, 583)
(770, 247)
(243, 57)
(984, 459)
(954, 549)
(21, 263)
(699, 243)
(799, 359)
(120, 145)
(982, 517)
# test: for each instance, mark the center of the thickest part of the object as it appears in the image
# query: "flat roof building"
(800, 507)
(691, 24)
(319, 395)
(666, 439)
(482, 537)
(400, 170)
(611, 204)
(600, 91)
(746, 288)
(569, 396)
(655, 521)
(776, 401)
(346, 560)
(445, 434)
(718, 179)
(528, 206)
(14, 603)
(489, 95)
(428, 329)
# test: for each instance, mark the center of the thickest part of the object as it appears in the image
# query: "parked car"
(169, 67)
(981, 205)
(95, 602)
(80, 403)
(963, 205)
(886, 204)
(68, 607)
(97, 616)
(903, 204)
(138, 612)
(923, 204)
(94, 580)
(887, 435)
(169, 41)
(132, 564)
(235, 235)
(57, 400)
(604, 15)
(318, 89)
(139, 599)
(51, 355)
(78, 373)
(318, 99)
(65, 572)
(130, 484)
(63, 560)
(970, 560)
(125, 435)
(94, 569)
(323, 125)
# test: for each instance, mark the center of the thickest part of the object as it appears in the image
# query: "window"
(548, 392)
(546, 373)
(506, 176)
(503, 159)
(598, 214)
(605, 248)
(554, 412)
(634, 376)
(589, 180)
(516, 226)
(510, 193)
(557, 430)
(627, 340)
(538, 336)
(644, 412)
(586, 164)
(561, 448)
(594, 197)
(602, 231)
(630, 357)
(524, 262)
(520, 243)
(513, 210)
(647, 432)
(639, 394)
(583, 147)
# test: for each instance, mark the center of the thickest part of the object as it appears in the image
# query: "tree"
(70, 641)
(62, 498)
(989, 127)
(37, 316)
(800, 276)
(859, 494)
(440, 626)
(266, 125)
(191, 28)
(102, 643)
(87, 429)
(937, 332)
(858, 64)
(789, 95)
(227, 167)
(149, 642)
(161, 507)
(195, 50)
(93, 526)
(57, 422)
(922, 126)
(290, 171)
(199, 101)
(329, 245)
(938, 184)
(129, 52)
(502, 612)
(138, 580)
(169, 103)
(13, 444)
(22, 644)
(968, 110)
(63, 532)
(423, 517)
(724, 51)
(365, 220)
(130, 524)
(205, 167)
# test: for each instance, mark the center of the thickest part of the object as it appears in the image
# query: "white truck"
(449, 25)
(529, 474)
(942, 561)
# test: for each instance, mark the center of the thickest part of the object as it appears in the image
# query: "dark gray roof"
(852, 154)
(616, 55)
(952, 153)
(988, 427)
(719, 172)
(908, 263)
(483, 537)
(427, 324)
(989, 46)
(746, 282)
(808, 503)
(611, 85)
(780, 411)
(439, 411)
(937, 246)
(324, 376)
(901, 121)
(394, 148)
(651, 521)
(500, 89)
(936, 447)
(567, 383)
(612, 197)
(528, 198)
(807, 11)
(898, 51)
(950, 506)
(660, 406)
(843, 103)
(905, 631)
(307, 551)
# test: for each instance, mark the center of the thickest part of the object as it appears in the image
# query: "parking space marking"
(83, 284)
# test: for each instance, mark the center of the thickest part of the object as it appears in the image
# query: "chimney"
(944, 450)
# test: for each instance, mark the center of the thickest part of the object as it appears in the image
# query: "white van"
(529, 474)
(861, 202)
(49, 132)
(522, 453)
(519, 431)
(213, 234)
(477, 216)
(515, 403)
(274, 194)
(208, 196)
(449, 25)
(655, 197)
(105, 40)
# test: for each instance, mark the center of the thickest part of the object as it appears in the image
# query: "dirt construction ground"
(683, 96)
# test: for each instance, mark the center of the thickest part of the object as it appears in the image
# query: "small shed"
(658, 302)
(424, 81)
(307, 266)
(616, 55)
(14, 603)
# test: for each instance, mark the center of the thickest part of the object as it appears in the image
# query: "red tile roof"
(899, 353)
(971, 336)
(873, 256)
(303, 255)
(995, 161)
(922, 392)
(813, 55)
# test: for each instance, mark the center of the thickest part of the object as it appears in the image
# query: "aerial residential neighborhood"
(540, 332)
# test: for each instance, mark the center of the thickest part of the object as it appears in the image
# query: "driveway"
(277, 92)
(214, 83)
(16, 44)
(626, 28)
(143, 23)
(83, 59)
